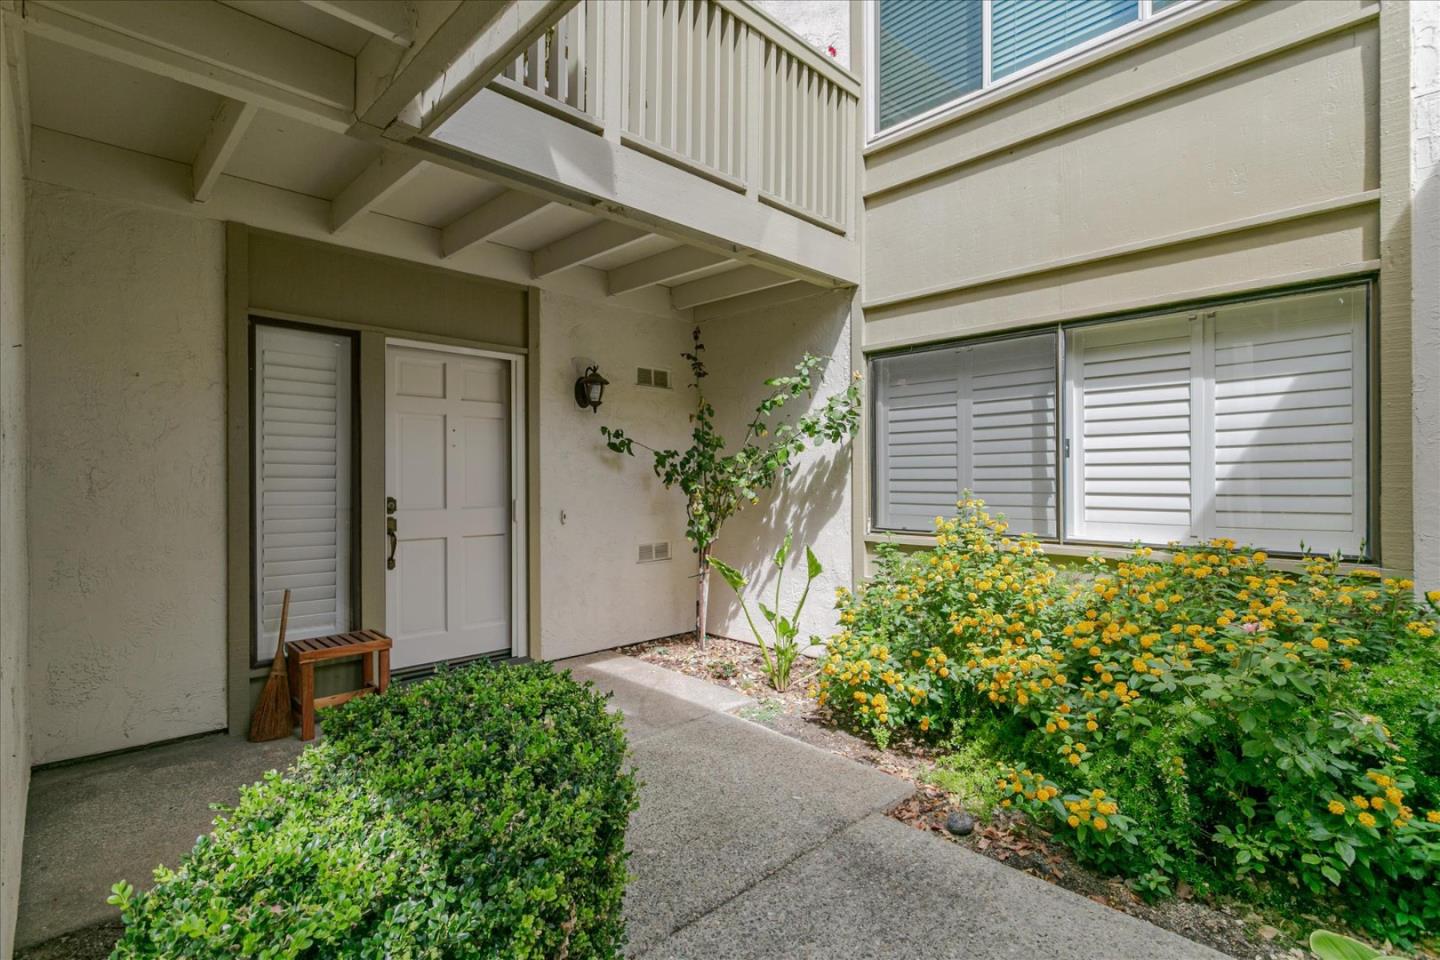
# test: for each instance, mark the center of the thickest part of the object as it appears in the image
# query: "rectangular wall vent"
(650, 377)
(652, 552)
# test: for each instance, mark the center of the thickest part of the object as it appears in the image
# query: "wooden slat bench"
(301, 656)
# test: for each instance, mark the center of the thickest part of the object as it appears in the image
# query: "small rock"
(960, 823)
(1184, 891)
(1268, 933)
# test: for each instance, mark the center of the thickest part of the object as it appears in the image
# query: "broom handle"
(284, 622)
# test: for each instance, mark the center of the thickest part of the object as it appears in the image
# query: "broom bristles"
(272, 719)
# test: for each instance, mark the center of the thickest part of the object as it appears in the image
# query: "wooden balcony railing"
(714, 86)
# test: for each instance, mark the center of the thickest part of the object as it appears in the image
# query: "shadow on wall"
(814, 504)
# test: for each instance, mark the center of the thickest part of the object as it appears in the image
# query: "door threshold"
(423, 670)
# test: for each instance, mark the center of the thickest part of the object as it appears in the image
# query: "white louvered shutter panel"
(1134, 403)
(978, 418)
(302, 482)
(917, 450)
(1011, 430)
(1290, 417)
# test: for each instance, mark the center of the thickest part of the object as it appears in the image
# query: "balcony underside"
(254, 116)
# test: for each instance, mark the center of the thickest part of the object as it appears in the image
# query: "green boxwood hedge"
(479, 813)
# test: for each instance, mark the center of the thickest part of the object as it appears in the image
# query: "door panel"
(448, 468)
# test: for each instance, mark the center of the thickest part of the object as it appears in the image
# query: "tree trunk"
(702, 598)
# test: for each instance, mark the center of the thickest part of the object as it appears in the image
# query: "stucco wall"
(127, 479)
(14, 575)
(1425, 271)
(1220, 150)
(814, 505)
(824, 23)
(594, 592)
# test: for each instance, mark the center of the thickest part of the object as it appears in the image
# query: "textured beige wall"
(814, 505)
(595, 594)
(127, 478)
(824, 24)
(14, 569)
(1226, 149)
(1425, 271)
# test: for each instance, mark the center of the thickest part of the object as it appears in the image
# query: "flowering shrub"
(1203, 716)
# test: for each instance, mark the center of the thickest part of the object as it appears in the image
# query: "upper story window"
(931, 53)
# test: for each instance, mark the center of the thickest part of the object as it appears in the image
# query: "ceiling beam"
(388, 171)
(519, 26)
(387, 19)
(585, 245)
(723, 286)
(513, 144)
(759, 300)
(488, 219)
(210, 46)
(459, 46)
(220, 143)
(661, 268)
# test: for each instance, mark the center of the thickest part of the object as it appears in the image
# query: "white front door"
(448, 469)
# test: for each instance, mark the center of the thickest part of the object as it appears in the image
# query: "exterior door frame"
(519, 511)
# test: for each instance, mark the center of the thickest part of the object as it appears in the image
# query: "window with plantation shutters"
(979, 417)
(1245, 421)
(1131, 438)
(1289, 421)
(303, 476)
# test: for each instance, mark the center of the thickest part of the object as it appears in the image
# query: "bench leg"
(382, 682)
(307, 701)
(292, 670)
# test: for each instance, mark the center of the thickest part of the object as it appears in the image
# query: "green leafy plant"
(1199, 715)
(777, 657)
(717, 484)
(1335, 946)
(480, 813)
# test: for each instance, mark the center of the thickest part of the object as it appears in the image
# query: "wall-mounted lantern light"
(590, 388)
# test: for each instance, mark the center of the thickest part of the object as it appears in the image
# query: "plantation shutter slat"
(1012, 430)
(917, 422)
(1247, 421)
(1131, 409)
(930, 52)
(1024, 32)
(978, 418)
(1290, 414)
(302, 482)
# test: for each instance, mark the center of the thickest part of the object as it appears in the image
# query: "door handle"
(390, 531)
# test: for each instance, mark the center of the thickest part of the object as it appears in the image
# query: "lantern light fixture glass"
(590, 388)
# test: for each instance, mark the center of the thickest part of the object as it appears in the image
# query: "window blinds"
(930, 52)
(979, 418)
(1028, 31)
(1247, 421)
(302, 462)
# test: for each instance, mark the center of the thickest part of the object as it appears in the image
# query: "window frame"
(988, 85)
(352, 574)
(1366, 283)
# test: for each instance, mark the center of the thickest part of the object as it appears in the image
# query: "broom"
(272, 718)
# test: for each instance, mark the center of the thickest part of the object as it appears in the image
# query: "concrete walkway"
(747, 844)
